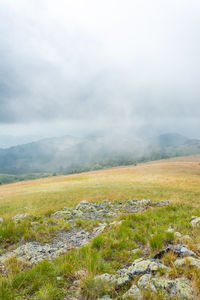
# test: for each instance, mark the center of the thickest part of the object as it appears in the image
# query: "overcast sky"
(74, 66)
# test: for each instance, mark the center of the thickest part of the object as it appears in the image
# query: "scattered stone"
(134, 293)
(195, 221)
(20, 217)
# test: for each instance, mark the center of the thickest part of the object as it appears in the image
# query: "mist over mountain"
(69, 154)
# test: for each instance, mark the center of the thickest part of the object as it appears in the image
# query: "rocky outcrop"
(100, 211)
(33, 252)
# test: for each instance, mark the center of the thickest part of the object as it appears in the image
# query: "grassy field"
(177, 179)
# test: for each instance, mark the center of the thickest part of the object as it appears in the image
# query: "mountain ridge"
(68, 154)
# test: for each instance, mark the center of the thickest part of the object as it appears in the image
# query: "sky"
(77, 67)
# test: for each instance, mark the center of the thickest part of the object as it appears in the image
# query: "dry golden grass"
(177, 179)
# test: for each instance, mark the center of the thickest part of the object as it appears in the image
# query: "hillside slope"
(68, 154)
(60, 247)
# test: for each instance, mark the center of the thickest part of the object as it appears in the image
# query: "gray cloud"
(77, 66)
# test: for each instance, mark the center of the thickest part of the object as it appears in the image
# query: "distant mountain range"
(70, 154)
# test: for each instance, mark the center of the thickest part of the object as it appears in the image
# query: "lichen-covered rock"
(145, 282)
(66, 212)
(187, 261)
(133, 293)
(141, 266)
(123, 280)
(111, 279)
(178, 288)
(182, 250)
(33, 252)
(114, 279)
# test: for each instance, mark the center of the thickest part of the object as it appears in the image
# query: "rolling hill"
(71, 155)
(55, 245)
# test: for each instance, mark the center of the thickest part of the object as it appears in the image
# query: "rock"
(33, 252)
(141, 266)
(179, 288)
(162, 203)
(111, 279)
(133, 293)
(114, 279)
(183, 289)
(67, 213)
(177, 249)
(123, 280)
(182, 251)
(144, 202)
(187, 260)
(145, 283)
(99, 211)
(195, 221)
(20, 217)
